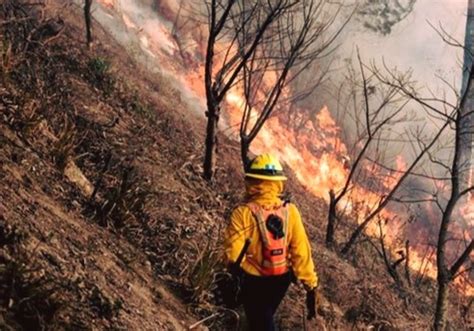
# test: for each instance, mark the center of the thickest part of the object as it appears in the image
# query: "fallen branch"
(203, 320)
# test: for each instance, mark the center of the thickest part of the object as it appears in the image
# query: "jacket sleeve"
(234, 236)
(300, 250)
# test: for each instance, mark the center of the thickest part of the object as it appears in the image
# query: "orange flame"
(108, 3)
(315, 152)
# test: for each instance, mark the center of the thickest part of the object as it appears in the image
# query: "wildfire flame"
(108, 3)
(316, 152)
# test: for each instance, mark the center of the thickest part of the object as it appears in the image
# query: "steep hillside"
(84, 176)
(105, 222)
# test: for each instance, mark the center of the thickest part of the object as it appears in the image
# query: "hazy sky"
(414, 44)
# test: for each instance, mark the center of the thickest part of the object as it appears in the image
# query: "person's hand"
(234, 269)
(311, 303)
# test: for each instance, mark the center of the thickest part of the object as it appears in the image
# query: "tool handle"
(243, 251)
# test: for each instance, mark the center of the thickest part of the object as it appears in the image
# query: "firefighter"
(279, 249)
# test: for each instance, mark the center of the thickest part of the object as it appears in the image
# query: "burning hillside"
(314, 149)
(105, 220)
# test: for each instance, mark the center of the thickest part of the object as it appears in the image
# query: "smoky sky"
(414, 44)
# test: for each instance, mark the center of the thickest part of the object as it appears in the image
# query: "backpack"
(273, 229)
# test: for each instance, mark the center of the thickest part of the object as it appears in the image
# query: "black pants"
(261, 297)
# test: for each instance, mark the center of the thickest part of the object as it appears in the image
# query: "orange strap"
(271, 264)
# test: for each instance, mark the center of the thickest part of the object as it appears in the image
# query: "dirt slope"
(105, 223)
(64, 256)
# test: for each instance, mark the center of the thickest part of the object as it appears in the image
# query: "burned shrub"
(99, 75)
(103, 306)
(125, 201)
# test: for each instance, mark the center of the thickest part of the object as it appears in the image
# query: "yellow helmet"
(265, 166)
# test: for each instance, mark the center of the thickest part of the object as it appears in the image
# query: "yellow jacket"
(243, 225)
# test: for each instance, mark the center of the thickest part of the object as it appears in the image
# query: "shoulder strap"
(260, 214)
(257, 213)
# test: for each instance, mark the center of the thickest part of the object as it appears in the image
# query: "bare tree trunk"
(444, 274)
(331, 219)
(466, 126)
(88, 20)
(467, 119)
(357, 232)
(212, 113)
(441, 305)
(211, 140)
(391, 267)
(244, 152)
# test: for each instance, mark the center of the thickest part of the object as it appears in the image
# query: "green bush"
(99, 67)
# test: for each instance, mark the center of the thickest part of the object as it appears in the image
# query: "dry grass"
(27, 298)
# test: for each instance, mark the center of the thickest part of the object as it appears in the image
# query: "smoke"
(145, 29)
(436, 67)
(160, 35)
(414, 44)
